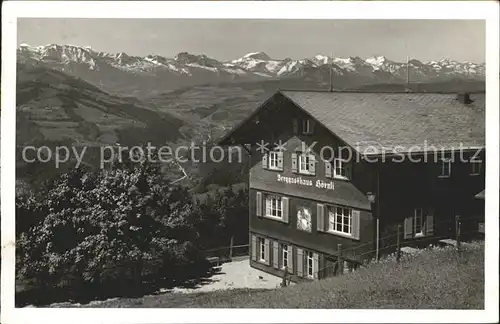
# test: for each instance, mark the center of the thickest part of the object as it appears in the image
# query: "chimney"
(464, 98)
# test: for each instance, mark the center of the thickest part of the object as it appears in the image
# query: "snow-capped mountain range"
(120, 71)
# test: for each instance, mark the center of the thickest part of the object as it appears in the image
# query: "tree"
(105, 226)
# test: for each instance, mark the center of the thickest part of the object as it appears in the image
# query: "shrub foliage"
(118, 228)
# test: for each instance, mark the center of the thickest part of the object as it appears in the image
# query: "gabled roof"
(396, 122)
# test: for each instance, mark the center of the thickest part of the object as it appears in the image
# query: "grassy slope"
(433, 279)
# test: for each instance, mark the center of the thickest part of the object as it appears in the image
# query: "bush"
(98, 230)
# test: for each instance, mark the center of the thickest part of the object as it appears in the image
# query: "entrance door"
(444, 222)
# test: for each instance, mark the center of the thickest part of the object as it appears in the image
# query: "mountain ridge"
(153, 73)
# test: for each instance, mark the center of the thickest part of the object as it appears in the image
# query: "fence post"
(341, 260)
(457, 231)
(231, 248)
(398, 244)
(354, 264)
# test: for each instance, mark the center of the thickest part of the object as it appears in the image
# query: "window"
(476, 167)
(310, 264)
(306, 126)
(262, 249)
(340, 220)
(273, 160)
(305, 163)
(284, 256)
(418, 222)
(274, 206)
(339, 170)
(445, 168)
(304, 217)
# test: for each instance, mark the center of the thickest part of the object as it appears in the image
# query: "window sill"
(340, 177)
(274, 218)
(341, 234)
(443, 176)
(306, 173)
(474, 174)
(274, 169)
(418, 236)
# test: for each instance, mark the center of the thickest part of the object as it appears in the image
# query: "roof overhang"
(237, 136)
(233, 135)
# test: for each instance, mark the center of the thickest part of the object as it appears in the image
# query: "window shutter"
(320, 217)
(280, 160)
(275, 255)
(328, 169)
(300, 264)
(315, 265)
(258, 204)
(290, 258)
(266, 251)
(264, 161)
(286, 205)
(312, 164)
(355, 224)
(254, 248)
(312, 124)
(295, 126)
(408, 230)
(294, 162)
(429, 223)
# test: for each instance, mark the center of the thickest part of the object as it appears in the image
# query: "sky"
(425, 40)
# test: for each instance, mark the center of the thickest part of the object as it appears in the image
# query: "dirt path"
(237, 274)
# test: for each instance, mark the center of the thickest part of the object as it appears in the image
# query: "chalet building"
(341, 171)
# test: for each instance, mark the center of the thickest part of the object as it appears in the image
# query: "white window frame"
(274, 204)
(475, 164)
(342, 163)
(262, 249)
(445, 162)
(307, 159)
(273, 158)
(284, 256)
(332, 225)
(418, 219)
(309, 264)
(306, 126)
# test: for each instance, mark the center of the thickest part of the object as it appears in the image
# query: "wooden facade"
(306, 213)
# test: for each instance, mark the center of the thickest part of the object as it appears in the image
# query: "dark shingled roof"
(374, 121)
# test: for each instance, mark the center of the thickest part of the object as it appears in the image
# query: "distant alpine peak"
(121, 55)
(257, 56)
(321, 59)
(324, 59)
(377, 60)
(189, 57)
